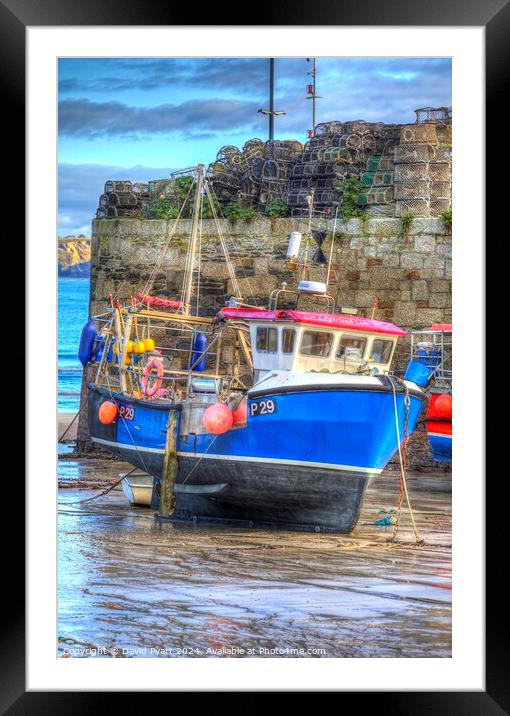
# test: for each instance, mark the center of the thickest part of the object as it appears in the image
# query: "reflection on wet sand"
(130, 588)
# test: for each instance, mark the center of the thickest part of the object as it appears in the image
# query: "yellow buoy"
(149, 345)
(127, 361)
(141, 347)
(130, 346)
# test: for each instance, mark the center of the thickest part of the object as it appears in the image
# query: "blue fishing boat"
(432, 348)
(272, 416)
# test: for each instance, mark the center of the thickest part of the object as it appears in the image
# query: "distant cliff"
(74, 256)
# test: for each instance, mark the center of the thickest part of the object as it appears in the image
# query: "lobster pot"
(117, 186)
(437, 206)
(272, 190)
(336, 154)
(125, 199)
(298, 198)
(253, 148)
(256, 166)
(326, 198)
(276, 170)
(299, 170)
(413, 153)
(248, 186)
(381, 210)
(101, 213)
(111, 212)
(227, 153)
(440, 171)
(379, 163)
(376, 196)
(412, 189)
(377, 178)
(140, 189)
(404, 172)
(299, 184)
(103, 200)
(441, 153)
(444, 133)
(416, 207)
(334, 127)
(418, 133)
(440, 190)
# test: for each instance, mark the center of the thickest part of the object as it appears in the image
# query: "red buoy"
(217, 419)
(108, 412)
(239, 414)
(443, 405)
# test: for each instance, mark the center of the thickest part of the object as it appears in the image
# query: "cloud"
(86, 118)
(245, 75)
(79, 187)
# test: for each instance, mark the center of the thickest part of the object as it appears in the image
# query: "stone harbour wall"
(407, 270)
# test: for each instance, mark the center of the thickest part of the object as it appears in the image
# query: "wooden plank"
(177, 317)
(170, 468)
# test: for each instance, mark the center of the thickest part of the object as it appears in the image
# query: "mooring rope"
(403, 481)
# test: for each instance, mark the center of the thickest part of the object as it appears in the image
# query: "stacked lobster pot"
(225, 172)
(378, 193)
(423, 170)
(122, 198)
(254, 175)
(280, 158)
(338, 150)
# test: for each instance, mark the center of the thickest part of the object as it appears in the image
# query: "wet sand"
(128, 588)
(64, 421)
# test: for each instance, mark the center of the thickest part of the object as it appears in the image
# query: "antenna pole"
(194, 239)
(311, 93)
(271, 99)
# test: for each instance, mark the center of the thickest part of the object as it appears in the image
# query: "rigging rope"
(157, 265)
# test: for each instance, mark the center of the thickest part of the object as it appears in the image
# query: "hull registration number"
(127, 412)
(262, 407)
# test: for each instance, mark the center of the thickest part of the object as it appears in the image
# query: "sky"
(141, 118)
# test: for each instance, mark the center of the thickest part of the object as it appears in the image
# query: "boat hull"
(305, 466)
(439, 433)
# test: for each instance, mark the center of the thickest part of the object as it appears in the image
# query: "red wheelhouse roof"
(442, 327)
(331, 320)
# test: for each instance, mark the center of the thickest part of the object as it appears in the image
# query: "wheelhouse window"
(267, 340)
(381, 351)
(316, 343)
(288, 340)
(351, 348)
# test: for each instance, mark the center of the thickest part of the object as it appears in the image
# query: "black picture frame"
(15, 16)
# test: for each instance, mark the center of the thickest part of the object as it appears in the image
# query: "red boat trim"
(331, 320)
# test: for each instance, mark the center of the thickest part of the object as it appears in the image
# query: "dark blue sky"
(141, 118)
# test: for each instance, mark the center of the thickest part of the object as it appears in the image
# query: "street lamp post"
(271, 112)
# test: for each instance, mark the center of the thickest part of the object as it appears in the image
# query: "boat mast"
(194, 239)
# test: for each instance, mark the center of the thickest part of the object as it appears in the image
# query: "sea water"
(73, 302)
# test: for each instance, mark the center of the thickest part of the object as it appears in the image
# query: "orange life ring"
(147, 373)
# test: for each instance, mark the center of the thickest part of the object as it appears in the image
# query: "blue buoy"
(199, 346)
(87, 339)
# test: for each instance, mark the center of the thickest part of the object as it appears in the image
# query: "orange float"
(240, 413)
(108, 411)
(217, 419)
